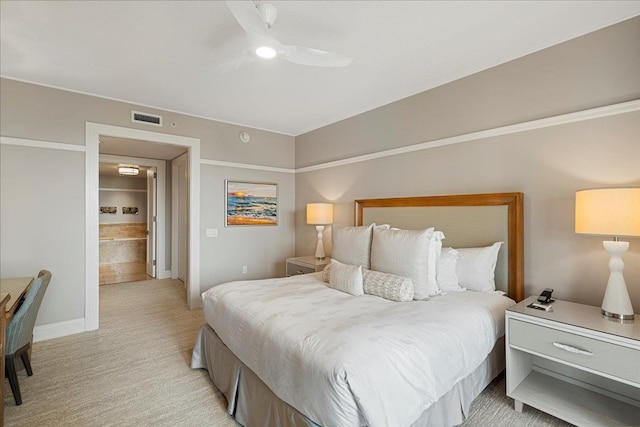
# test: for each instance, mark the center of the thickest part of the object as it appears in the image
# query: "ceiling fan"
(256, 20)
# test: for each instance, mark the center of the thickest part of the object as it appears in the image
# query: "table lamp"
(319, 214)
(611, 212)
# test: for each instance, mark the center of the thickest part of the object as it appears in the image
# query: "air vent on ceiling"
(149, 119)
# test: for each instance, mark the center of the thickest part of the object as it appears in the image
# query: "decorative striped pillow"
(388, 286)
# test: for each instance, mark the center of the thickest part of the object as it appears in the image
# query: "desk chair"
(20, 332)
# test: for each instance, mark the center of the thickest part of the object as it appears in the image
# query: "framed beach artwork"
(251, 203)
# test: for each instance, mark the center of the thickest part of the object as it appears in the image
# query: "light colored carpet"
(135, 371)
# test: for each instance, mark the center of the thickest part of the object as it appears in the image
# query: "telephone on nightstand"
(545, 296)
(544, 301)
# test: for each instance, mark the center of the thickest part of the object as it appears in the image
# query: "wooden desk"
(16, 288)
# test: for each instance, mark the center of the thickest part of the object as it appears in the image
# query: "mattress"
(344, 360)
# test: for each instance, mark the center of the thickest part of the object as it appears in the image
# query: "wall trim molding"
(131, 190)
(245, 166)
(594, 113)
(40, 144)
(57, 330)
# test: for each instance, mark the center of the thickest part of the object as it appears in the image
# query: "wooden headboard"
(469, 220)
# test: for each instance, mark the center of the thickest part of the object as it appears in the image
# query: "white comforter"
(348, 361)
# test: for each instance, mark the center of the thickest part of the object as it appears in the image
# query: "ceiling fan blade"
(319, 58)
(248, 17)
(236, 62)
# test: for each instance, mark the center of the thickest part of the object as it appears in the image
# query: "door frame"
(152, 255)
(161, 268)
(92, 154)
(175, 241)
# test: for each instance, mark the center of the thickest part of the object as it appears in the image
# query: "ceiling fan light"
(266, 52)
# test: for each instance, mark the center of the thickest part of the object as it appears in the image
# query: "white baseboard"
(57, 330)
(164, 275)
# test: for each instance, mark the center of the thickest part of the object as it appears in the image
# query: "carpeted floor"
(135, 371)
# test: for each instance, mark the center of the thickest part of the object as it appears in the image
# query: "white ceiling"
(165, 53)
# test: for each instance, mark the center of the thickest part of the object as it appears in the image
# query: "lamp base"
(320, 244)
(617, 316)
(616, 303)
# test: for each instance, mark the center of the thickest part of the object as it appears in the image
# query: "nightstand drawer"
(295, 269)
(582, 351)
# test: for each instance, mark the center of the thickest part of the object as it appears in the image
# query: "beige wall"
(119, 199)
(40, 113)
(547, 165)
(133, 182)
(42, 224)
(262, 249)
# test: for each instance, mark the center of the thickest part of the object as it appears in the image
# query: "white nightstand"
(573, 363)
(305, 264)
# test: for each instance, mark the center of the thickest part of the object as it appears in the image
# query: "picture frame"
(130, 210)
(249, 203)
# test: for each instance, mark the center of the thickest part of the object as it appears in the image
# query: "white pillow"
(433, 258)
(447, 277)
(403, 252)
(346, 278)
(476, 267)
(351, 245)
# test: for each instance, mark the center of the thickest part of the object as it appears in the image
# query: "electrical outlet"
(244, 269)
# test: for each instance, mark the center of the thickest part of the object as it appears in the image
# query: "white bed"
(295, 352)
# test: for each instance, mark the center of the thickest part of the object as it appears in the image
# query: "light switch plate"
(212, 232)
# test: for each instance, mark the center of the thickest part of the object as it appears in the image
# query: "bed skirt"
(252, 403)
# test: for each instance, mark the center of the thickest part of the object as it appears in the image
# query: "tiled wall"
(123, 243)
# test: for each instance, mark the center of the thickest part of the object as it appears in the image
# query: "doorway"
(127, 230)
(144, 144)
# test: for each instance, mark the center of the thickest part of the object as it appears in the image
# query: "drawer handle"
(572, 349)
(299, 272)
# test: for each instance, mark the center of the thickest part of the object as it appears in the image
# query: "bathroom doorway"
(127, 232)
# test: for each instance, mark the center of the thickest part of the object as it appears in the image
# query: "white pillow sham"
(447, 277)
(404, 252)
(346, 278)
(351, 245)
(476, 267)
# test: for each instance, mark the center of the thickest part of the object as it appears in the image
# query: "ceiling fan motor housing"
(268, 13)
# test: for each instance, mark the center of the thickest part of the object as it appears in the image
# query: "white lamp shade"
(319, 213)
(608, 212)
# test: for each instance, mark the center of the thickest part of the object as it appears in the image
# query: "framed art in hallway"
(250, 203)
